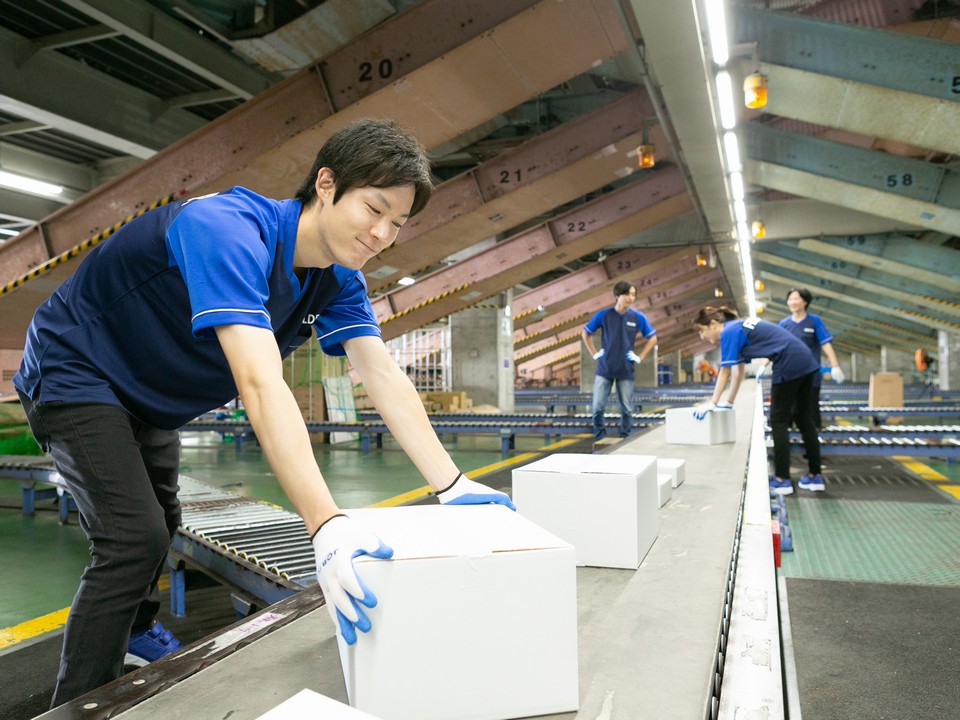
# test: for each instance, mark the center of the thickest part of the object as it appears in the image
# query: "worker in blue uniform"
(179, 312)
(616, 358)
(814, 334)
(745, 339)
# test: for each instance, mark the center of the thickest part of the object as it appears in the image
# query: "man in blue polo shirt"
(180, 311)
(616, 358)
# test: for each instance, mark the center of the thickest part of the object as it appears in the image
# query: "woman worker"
(794, 369)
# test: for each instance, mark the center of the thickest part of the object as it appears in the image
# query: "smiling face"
(709, 333)
(363, 222)
(796, 303)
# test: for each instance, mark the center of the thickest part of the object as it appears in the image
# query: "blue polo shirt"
(619, 335)
(812, 332)
(746, 339)
(134, 325)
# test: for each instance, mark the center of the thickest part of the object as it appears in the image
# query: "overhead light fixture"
(717, 292)
(21, 182)
(646, 158)
(8, 232)
(731, 149)
(701, 260)
(728, 111)
(758, 229)
(717, 27)
(406, 281)
(755, 91)
(758, 285)
(759, 308)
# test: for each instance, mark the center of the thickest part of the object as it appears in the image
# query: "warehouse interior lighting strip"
(720, 51)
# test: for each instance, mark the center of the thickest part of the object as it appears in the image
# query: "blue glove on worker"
(633, 357)
(336, 543)
(760, 371)
(724, 405)
(837, 374)
(464, 491)
(598, 354)
(700, 411)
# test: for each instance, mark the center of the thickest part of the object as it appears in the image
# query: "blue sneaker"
(781, 487)
(813, 483)
(149, 645)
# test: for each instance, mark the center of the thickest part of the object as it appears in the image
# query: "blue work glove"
(598, 354)
(633, 357)
(700, 411)
(724, 405)
(336, 543)
(837, 374)
(760, 372)
(464, 491)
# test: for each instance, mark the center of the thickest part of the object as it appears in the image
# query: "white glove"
(633, 357)
(464, 491)
(336, 543)
(700, 411)
(837, 374)
(724, 405)
(762, 369)
(598, 354)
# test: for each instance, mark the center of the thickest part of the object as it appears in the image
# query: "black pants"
(797, 398)
(123, 475)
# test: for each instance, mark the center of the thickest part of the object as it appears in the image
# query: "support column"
(481, 340)
(588, 366)
(948, 360)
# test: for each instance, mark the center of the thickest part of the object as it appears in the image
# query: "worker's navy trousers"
(123, 475)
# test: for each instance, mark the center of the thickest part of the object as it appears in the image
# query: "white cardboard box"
(310, 705)
(476, 617)
(664, 487)
(675, 467)
(605, 505)
(715, 428)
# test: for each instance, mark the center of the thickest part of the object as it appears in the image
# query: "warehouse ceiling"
(533, 113)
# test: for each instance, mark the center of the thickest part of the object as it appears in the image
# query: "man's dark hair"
(372, 153)
(802, 292)
(622, 288)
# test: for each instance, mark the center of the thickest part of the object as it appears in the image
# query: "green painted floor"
(42, 560)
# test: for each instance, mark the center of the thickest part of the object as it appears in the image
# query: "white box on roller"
(605, 505)
(664, 487)
(476, 617)
(684, 429)
(309, 704)
(675, 467)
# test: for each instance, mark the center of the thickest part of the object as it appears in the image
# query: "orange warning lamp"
(755, 91)
(646, 157)
(758, 229)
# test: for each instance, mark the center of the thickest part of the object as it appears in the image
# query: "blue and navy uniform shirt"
(746, 339)
(619, 334)
(134, 326)
(812, 332)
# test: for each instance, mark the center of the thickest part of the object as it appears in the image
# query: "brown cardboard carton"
(886, 390)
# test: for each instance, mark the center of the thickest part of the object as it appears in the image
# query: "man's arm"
(831, 354)
(273, 412)
(400, 406)
(588, 341)
(738, 372)
(648, 348)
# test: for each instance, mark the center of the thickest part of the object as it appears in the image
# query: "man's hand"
(464, 491)
(760, 371)
(837, 374)
(633, 357)
(338, 541)
(598, 354)
(700, 411)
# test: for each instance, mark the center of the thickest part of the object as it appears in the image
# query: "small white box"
(605, 505)
(715, 428)
(675, 467)
(664, 487)
(476, 617)
(308, 705)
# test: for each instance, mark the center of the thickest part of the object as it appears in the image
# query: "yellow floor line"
(33, 628)
(952, 489)
(921, 470)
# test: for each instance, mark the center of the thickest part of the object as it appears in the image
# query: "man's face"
(364, 222)
(629, 298)
(795, 302)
